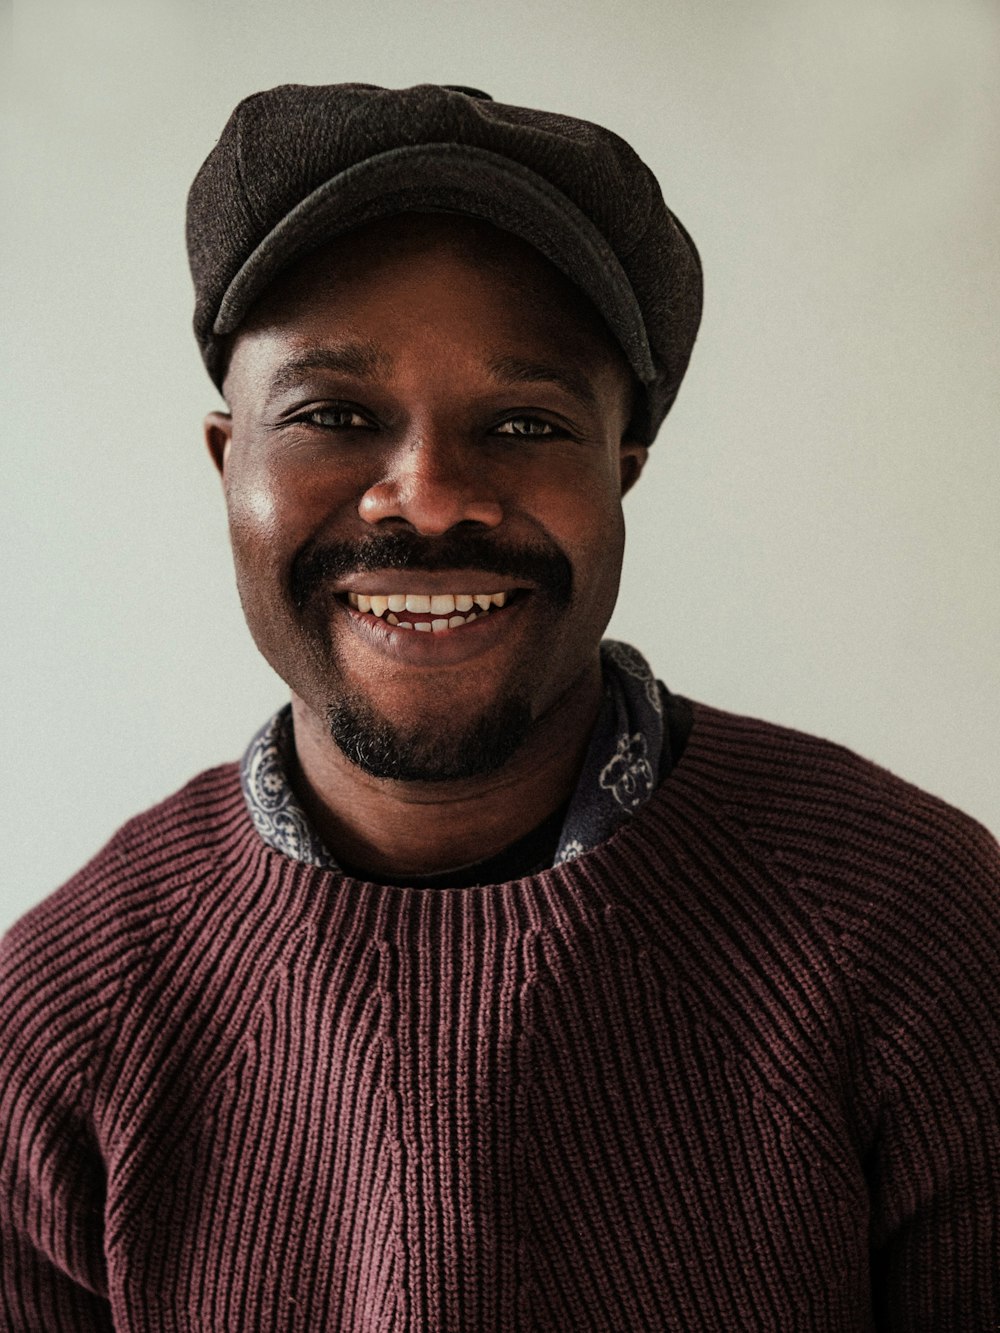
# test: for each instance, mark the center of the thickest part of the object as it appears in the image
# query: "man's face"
(427, 410)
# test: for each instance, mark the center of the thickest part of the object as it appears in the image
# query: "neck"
(394, 829)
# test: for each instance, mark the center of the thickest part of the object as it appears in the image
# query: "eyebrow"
(366, 359)
(363, 359)
(516, 370)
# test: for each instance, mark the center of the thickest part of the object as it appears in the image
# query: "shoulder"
(818, 803)
(150, 853)
(897, 888)
(813, 902)
(812, 851)
(64, 963)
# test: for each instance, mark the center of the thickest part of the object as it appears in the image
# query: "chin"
(429, 752)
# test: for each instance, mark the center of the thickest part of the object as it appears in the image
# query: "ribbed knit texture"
(686, 1081)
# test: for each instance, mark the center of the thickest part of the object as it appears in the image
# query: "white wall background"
(817, 539)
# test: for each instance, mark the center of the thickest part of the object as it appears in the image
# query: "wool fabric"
(736, 1068)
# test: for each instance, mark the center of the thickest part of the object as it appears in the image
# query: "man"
(498, 988)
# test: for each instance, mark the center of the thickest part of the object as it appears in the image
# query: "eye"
(525, 426)
(338, 416)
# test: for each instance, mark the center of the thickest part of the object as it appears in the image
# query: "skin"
(428, 436)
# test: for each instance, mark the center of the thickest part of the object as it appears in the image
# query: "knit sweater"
(736, 1068)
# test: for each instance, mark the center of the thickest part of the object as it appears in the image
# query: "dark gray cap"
(299, 165)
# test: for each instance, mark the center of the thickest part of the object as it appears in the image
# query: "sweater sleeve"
(52, 1271)
(933, 990)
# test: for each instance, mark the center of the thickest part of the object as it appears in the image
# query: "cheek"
(269, 514)
(253, 511)
(601, 566)
(584, 516)
(592, 537)
(262, 547)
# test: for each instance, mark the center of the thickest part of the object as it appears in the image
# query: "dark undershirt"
(536, 851)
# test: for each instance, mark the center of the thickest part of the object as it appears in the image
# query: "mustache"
(544, 564)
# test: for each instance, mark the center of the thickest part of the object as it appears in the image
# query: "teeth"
(436, 625)
(438, 604)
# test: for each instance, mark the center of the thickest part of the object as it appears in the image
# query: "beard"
(422, 752)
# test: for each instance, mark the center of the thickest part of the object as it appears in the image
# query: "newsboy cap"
(299, 165)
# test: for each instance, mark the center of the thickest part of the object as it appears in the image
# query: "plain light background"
(816, 538)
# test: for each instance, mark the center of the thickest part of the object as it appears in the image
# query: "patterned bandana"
(629, 753)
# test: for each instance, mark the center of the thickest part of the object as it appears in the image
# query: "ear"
(632, 459)
(218, 437)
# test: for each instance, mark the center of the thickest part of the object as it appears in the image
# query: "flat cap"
(299, 165)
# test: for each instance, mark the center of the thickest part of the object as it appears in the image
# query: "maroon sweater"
(736, 1069)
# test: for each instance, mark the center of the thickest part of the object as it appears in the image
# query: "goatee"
(425, 753)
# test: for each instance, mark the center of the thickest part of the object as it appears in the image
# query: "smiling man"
(498, 987)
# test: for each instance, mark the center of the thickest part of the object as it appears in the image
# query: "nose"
(433, 482)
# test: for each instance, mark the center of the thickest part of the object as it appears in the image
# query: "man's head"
(426, 411)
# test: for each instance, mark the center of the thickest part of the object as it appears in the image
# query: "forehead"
(446, 265)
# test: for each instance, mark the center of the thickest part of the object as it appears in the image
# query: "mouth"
(429, 613)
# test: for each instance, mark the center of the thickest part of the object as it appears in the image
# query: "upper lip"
(419, 581)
